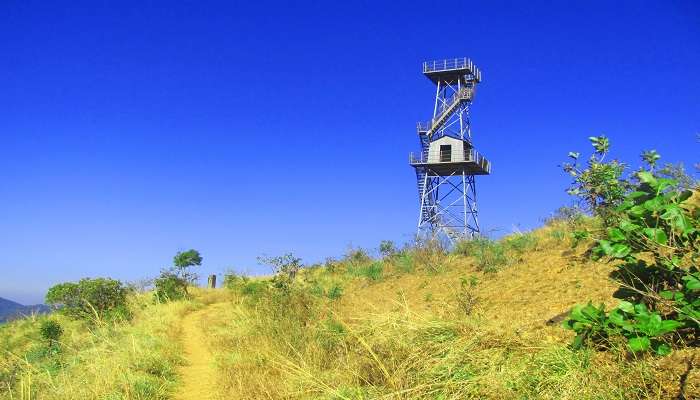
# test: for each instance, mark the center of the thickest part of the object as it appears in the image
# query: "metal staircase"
(429, 128)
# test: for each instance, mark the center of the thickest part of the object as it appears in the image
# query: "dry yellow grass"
(405, 337)
(394, 333)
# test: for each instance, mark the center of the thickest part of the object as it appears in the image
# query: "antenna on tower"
(448, 162)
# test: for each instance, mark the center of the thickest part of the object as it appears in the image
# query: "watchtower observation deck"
(451, 70)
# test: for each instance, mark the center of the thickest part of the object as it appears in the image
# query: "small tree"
(387, 248)
(51, 331)
(599, 186)
(285, 268)
(182, 264)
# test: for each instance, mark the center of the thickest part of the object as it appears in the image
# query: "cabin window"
(445, 153)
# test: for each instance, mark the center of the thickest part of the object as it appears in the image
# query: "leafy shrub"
(654, 237)
(599, 186)
(522, 242)
(335, 292)
(643, 329)
(557, 234)
(464, 247)
(316, 289)
(428, 254)
(51, 331)
(285, 268)
(387, 248)
(405, 262)
(466, 297)
(330, 264)
(90, 298)
(254, 289)
(373, 271)
(169, 287)
(570, 215)
(490, 256)
(357, 256)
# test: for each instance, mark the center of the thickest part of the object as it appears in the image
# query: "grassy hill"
(479, 322)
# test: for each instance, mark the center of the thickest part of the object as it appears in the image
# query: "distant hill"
(10, 309)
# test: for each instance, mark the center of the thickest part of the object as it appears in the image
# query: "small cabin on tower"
(449, 155)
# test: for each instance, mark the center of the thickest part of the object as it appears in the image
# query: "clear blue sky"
(132, 130)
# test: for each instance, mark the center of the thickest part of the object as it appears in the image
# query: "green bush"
(428, 254)
(489, 256)
(466, 297)
(251, 289)
(286, 267)
(357, 256)
(522, 242)
(169, 287)
(51, 331)
(653, 235)
(372, 271)
(90, 298)
(335, 292)
(600, 186)
(387, 248)
(405, 262)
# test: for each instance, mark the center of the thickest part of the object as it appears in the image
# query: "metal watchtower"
(448, 162)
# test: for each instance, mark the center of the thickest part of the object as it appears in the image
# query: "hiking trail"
(198, 375)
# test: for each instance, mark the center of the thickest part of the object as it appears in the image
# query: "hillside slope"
(482, 322)
(427, 325)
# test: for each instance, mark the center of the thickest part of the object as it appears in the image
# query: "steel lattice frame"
(448, 207)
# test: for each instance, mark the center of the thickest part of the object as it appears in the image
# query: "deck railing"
(452, 64)
(448, 64)
(470, 156)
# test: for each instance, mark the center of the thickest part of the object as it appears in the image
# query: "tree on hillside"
(173, 282)
(182, 264)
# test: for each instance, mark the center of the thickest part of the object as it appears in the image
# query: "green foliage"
(643, 330)
(90, 298)
(372, 271)
(51, 331)
(335, 292)
(650, 157)
(169, 287)
(654, 236)
(557, 234)
(285, 268)
(466, 297)
(405, 262)
(599, 186)
(357, 256)
(387, 248)
(186, 259)
(251, 289)
(182, 266)
(572, 216)
(521, 242)
(489, 255)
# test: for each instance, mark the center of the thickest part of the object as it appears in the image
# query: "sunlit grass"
(95, 360)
